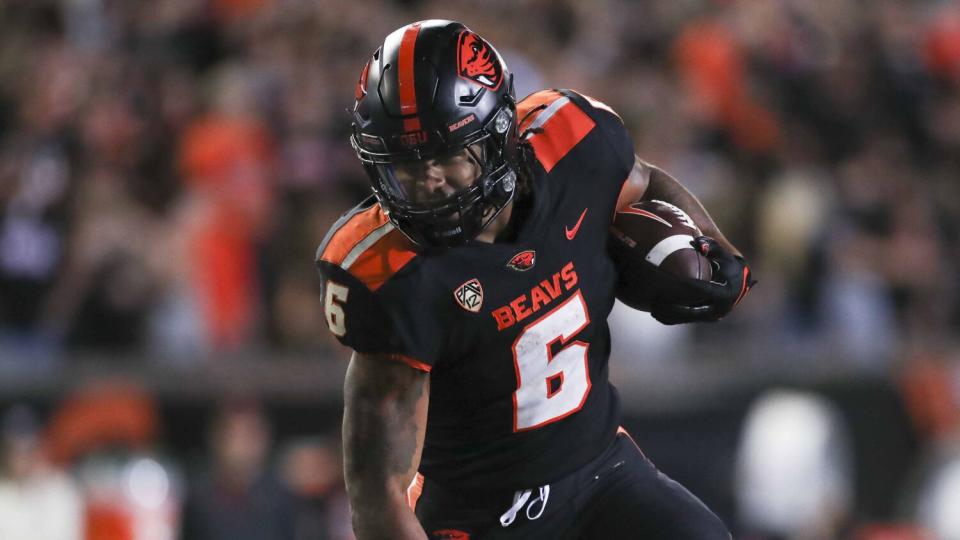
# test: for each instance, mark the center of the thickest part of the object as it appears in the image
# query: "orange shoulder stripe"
(531, 103)
(369, 247)
(562, 125)
(352, 232)
(384, 258)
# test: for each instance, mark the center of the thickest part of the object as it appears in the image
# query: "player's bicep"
(384, 422)
(636, 184)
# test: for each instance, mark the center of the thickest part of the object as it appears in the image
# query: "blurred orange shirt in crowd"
(712, 67)
(942, 44)
(892, 532)
(226, 162)
(238, 9)
(928, 386)
(104, 522)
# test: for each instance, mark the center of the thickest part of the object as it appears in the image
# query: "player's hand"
(730, 283)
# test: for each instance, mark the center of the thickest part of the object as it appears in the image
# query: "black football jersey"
(514, 334)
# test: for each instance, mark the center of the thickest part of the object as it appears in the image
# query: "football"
(650, 244)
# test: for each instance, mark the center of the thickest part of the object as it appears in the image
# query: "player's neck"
(506, 226)
(498, 225)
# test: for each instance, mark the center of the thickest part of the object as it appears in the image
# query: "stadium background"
(167, 169)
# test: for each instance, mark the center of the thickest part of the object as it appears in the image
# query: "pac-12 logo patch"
(470, 295)
(477, 62)
(523, 261)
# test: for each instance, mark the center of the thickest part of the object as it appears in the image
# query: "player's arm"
(732, 278)
(384, 422)
(648, 182)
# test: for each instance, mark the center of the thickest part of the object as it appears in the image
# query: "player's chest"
(520, 320)
(500, 290)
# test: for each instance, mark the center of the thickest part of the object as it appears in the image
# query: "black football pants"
(619, 495)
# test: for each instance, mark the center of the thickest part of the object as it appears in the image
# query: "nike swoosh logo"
(573, 232)
(644, 213)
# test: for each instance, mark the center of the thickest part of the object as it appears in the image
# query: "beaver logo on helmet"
(477, 62)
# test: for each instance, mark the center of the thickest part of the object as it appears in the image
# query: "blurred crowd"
(168, 168)
(97, 468)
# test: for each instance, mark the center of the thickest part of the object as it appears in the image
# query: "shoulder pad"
(553, 123)
(365, 244)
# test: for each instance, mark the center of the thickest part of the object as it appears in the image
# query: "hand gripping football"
(650, 243)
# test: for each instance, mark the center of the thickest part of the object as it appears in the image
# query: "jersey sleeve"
(353, 313)
(561, 123)
(371, 323)
(357, 261)
(612, 130)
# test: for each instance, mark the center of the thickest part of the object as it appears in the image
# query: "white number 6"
(551, 386)
(333, 307)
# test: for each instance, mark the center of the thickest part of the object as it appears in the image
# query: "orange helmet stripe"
(408, 93)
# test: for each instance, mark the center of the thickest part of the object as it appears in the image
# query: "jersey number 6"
(335, 297)
(551, 386)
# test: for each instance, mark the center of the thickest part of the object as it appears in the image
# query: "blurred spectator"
(102, 416)
(930, 384)
(638, 341)
(942, 43)
(107, 433)
(238, 496)
(226, 158)
(794, 439)
(712, 66)
(313, 471)
(35, 175)
(933, 505)
(38, 501)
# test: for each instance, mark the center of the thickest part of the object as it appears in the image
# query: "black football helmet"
(435, 88)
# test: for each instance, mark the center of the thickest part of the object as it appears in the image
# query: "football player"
(474, 287)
